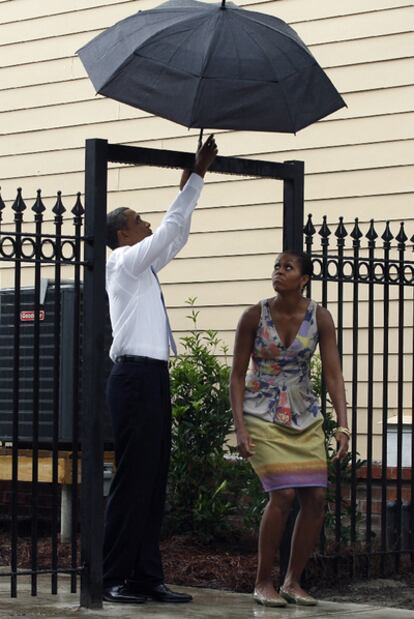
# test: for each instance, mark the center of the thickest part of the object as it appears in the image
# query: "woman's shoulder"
(253, 311)
(251, 315)
(323, 315)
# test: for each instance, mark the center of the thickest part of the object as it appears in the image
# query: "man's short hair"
(115, 220)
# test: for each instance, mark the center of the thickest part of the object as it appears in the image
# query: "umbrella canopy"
(214, 66)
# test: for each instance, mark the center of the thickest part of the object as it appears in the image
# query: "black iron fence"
(367, 282)
(39, 394)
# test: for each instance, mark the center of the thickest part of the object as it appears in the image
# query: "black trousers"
(139, 400)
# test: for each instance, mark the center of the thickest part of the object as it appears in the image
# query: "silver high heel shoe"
(295, 598)
(264, 600)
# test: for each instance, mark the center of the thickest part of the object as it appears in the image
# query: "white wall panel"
(293, 11)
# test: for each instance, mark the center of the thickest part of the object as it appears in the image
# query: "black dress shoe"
(120, 594)
(161, 593)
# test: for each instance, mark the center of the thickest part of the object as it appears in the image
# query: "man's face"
(137, 229)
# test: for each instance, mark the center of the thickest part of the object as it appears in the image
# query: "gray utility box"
(46, 365)
(392, 442)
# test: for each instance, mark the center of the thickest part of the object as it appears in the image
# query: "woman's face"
(287, 274)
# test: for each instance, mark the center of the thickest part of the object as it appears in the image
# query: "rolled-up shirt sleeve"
(161, 247)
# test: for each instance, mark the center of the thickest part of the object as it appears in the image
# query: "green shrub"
(198, 498)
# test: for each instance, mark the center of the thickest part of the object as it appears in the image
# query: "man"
(138, 391)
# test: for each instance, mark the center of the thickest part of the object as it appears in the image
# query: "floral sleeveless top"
(278, 387)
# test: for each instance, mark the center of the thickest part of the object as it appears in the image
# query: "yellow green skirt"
(286, 458)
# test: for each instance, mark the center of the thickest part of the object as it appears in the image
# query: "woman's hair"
(304, 259)
(115, 220)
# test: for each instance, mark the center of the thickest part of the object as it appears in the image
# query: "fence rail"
(29, 327)
(373, 499)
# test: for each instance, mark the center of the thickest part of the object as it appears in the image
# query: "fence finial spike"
(324, 231)
(38, 207)
(371, 235)
(18, 205)
(59, 209)
(309, 229)
(401, 236)
(78, 209)
(341, 231)
(356, 231)
(387, 236)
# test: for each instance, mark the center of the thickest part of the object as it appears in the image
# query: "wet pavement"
(207, 604)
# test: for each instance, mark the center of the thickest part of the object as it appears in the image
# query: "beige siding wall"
(359, 162)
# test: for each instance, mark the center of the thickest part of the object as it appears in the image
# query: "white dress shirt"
(138, 318)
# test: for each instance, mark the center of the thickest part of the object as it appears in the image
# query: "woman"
(278, 421)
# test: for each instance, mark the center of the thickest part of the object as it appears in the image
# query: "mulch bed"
(186, 561)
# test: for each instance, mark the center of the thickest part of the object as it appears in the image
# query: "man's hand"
(205, 156)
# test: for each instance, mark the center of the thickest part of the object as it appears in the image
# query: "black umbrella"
(211, 66)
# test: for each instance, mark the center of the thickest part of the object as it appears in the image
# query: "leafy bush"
(198, 499)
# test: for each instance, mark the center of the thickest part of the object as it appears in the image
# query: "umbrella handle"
(200, 139)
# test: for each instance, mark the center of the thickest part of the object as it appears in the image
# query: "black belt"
(140, 360)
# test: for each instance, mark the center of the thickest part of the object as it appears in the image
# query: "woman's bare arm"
(333, 374)
(243, 346)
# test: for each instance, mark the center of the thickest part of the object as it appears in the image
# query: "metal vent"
(46, 364)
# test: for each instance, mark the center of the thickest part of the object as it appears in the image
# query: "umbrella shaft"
(200, 138)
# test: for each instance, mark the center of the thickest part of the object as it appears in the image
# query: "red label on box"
(29, 315)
